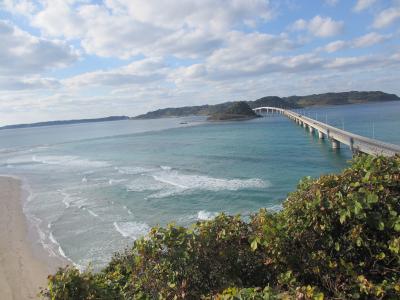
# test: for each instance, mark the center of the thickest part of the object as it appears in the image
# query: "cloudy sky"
(64, 59)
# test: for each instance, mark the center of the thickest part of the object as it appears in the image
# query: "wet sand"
(23, 270)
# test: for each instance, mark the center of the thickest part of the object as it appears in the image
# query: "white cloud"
(320, 26)
(366, 40)
(363, 4)
(57, 18)
(386, 17)
(23, 7)
(23, 53)
(367, 61)
(370, 39)
(126, 28)
(28, 83)
(140, 72)
(335, 46)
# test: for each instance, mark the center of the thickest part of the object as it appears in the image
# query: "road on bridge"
(357, 143)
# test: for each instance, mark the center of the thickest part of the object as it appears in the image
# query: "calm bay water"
(94, 188)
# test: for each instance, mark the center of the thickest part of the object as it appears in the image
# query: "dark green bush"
(69, 283)
(336, 237)
(343, 230)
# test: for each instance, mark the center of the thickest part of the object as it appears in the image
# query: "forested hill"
(284, 102)
(66, 122)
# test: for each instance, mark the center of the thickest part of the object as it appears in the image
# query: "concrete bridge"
(336, 136)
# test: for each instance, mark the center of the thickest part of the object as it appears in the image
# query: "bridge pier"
(333, 135)
(335, 144)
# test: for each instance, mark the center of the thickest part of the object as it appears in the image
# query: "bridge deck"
(354, 141)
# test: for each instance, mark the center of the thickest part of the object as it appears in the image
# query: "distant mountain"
(66, 122)
(236, 111)
(291, 102)
(227, 110)
(341, 98)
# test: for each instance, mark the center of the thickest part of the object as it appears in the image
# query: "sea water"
(95, 188)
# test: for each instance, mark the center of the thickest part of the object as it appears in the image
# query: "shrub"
(69, 283)
(187, 263)
(336, 237)
(343, 230)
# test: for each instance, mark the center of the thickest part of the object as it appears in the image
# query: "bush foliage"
(337, 237)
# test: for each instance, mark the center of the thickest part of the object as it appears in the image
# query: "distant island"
(66, 122)
(235, 112)
(291, 102)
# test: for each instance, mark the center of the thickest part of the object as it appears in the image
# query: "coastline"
(23, 268)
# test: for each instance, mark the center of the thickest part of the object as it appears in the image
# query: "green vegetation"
(341, 98)
(291, 102)
(236, 111)
(337, 237)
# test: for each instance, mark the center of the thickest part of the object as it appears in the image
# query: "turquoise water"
(94, 188)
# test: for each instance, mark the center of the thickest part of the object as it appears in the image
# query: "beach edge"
(23, 272)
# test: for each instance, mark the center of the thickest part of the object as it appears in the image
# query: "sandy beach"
(22, 272)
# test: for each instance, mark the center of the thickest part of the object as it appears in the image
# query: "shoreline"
(23, 267)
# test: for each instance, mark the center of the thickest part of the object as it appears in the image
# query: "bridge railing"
(355, 141)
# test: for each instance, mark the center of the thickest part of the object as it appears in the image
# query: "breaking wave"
(69, 160)
(206, 215)
(185, 181)
(132, 230)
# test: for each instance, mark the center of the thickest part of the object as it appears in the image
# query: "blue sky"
(64, 59)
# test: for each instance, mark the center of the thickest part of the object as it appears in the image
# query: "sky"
(68, 59)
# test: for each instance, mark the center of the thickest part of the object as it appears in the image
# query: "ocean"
(95, 188)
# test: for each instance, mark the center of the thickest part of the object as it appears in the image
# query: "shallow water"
(97, 187)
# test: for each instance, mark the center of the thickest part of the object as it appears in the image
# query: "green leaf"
(357, 207)
(394, 245)
(381, 256)
(318, 296)
(254, 244)
(381, 226)
(337, 246)
(397, 226)
(372, 198)
(342, 216)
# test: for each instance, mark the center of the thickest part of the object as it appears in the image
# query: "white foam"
(275, 208)
(176, 182)
(69, 160)
(84, 179)
(202, 182)
(72, 200)
(170, 182)
(134, 170)
(115, 181)
(92, 213)
(19, 160)
(127, 209)
(131, 230)
(166, 193)
(46, 237)
(144, 183)
(66, 199)
(55, 242)
(206, 215)
(166, 168)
